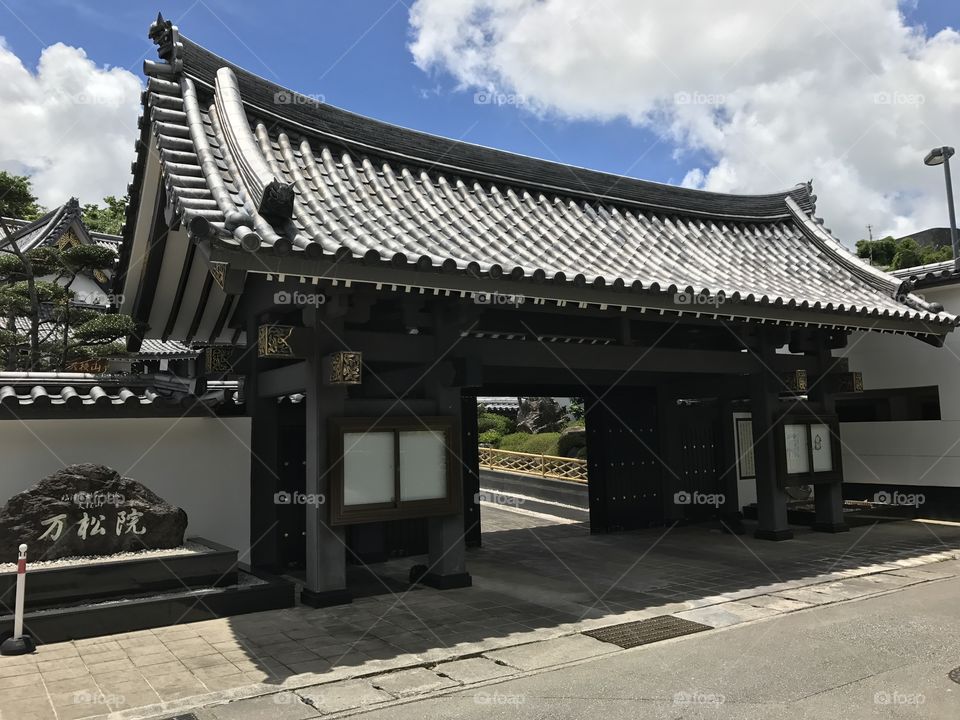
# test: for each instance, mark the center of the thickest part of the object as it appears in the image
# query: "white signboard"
(368, 468)
(798, 448)
(423, 465)
(822, 449)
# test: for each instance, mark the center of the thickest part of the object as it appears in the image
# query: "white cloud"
(774, 93)
(70, 125)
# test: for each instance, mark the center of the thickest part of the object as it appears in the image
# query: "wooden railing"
(548, 466)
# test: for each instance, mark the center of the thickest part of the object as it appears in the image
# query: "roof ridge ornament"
(166, 36)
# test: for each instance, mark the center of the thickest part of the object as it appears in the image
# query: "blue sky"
(353, 53)
(356, 55)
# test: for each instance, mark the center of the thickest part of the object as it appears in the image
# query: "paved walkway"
(537, 584)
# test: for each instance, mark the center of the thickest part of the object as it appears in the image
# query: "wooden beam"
(286, 380)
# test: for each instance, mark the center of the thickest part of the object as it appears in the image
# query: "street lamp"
(941, 156)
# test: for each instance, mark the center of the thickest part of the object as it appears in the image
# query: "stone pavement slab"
(343, 695)
(547, 653)
(415, 681)
(473, 670)
(280, 706)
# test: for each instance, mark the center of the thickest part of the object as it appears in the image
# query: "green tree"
(892, 254)
(108, 219)
(16, 197)
(61, 332)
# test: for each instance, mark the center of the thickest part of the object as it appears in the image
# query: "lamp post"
(941, 156)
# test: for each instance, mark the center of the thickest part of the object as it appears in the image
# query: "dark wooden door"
(624, 473)
(700, 491)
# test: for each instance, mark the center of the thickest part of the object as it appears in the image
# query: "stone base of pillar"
(327, 598)
(775, 535)
(447, 582)
(829, 527)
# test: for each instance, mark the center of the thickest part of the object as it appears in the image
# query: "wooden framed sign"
(392, 468)
(808, 449)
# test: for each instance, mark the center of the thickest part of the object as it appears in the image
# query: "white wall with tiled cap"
(920, 452)
(199, 464)
(891, 361)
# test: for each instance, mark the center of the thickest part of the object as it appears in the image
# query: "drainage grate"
(643, 632)
(954, 675)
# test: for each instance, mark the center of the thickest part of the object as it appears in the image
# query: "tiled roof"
(47, 228)
(307, 181)
(940, 273)
(166, 349)
(25, 391)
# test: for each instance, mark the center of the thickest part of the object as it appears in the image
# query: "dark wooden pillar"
(731, 514)
(771, 497)
(326, 545)
(827, 497)
(470, 455)
(264, 479)
(447, 560)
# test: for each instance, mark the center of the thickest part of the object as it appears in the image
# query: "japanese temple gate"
(367, 282)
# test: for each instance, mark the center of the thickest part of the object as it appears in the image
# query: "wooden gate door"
(624, 474)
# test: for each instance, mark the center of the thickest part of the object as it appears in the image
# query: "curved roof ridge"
(380, 138)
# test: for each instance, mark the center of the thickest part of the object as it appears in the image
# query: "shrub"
(539, 444)
(492, 421)
(491, 438)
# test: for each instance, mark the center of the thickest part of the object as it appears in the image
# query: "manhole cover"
(955, 675)
(643, 632)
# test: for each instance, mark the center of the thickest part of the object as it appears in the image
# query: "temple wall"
(199, 464)
(910, 453)
(897, 361)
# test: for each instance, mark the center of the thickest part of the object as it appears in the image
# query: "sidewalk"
(537, 585)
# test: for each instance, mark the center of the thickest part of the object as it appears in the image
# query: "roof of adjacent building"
(53, 224)
(48, 394)
(270, 181)
(939, 273)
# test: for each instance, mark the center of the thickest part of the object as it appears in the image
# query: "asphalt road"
(888, 656)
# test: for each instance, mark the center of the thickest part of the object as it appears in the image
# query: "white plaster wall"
(199, 464)
(921, 452)
(892, 361)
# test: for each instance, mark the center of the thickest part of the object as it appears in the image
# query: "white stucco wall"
(199, 464)
(922, 452)
(892, 361)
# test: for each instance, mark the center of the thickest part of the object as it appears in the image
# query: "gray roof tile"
(369, 191)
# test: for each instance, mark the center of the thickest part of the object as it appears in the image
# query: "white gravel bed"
(188, 548)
